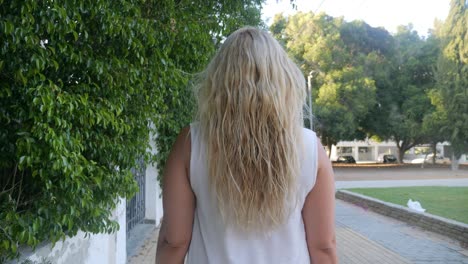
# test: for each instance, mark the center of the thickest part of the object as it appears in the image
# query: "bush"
(76, 82)
(81, 83)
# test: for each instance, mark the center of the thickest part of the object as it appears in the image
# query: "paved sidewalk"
(354, 248)
(365, 237)
(147, 252)
(411, 244)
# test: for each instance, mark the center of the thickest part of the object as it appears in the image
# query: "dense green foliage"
(83, 87)
(343, 68)
(450, 95)
(407, 100)
(197, 28)
(367, 82)
(449, 202)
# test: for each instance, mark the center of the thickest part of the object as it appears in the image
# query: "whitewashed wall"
(103, 248)
(385, 146)
(361, 143)
(100, 248)
(154, 210)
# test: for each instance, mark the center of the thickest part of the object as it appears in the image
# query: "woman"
(247, 183)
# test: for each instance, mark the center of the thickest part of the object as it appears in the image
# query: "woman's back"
(247, 183)
(215, 242)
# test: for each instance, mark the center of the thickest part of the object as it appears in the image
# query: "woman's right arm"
(318, 213)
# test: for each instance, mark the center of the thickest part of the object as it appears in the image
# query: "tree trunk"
(424, 161)
(403, 146)
(454, 161)
(434, 151)
(401, 153)
(328, 144)
(329, 147)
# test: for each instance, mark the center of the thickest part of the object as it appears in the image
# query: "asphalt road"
(378, 173)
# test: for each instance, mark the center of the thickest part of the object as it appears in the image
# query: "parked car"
(345, 159)
(386, 158)
(417, 160)
(439, 159)
(428, 159)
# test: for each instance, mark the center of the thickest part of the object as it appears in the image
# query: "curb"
(446, 227)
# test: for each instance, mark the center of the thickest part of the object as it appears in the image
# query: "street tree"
(374, 49)
(342, 93)
(405, 101)
(452, 78)
(434, 123)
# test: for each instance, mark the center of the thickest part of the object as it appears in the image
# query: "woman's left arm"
(178, 203)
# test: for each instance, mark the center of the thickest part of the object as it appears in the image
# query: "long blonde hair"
(250, 101)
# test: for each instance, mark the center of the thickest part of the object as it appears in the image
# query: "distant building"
(369, 150)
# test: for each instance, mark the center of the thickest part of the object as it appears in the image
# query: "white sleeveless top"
(214, 243)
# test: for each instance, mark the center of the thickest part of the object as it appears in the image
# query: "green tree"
(343, 93)
(277, 28)
(404, 101)
(435, 120)
(374, 49)
(342, 101)
(434, 123)
(452, 78)
(80, 85)
(194, 31)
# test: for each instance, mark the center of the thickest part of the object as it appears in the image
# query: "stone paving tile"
(147, 253)
(364, 237)
(137, 238)
(412, 243)
(354, 248)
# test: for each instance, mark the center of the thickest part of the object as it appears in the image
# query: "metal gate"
(136, 206)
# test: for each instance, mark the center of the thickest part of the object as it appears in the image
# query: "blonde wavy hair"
(250, 100)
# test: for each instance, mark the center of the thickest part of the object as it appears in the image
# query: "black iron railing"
(136, 205)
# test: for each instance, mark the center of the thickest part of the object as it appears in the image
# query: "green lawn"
(448, 202)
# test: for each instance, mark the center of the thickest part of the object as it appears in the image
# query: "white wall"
(380, 147)
(153, 194)
(103, 248)
(359, 143)
(94, 249)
